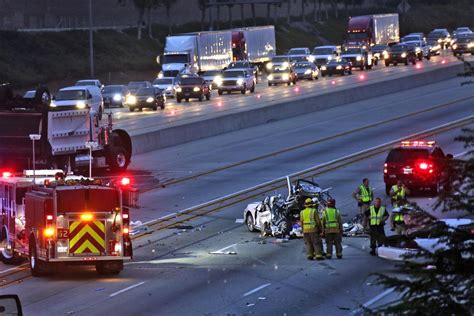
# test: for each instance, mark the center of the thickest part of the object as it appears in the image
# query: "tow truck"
(59, 139)
(56, 220)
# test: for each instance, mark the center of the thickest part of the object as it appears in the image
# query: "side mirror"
(10, 305)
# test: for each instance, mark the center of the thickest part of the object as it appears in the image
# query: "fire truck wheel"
(7, 256)
(109, 267)
(38, 267)
(117, 159)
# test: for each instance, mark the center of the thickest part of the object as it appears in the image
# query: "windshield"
(351, 51)
(414, 44)
(113, 89)
(398, 48)
(463, 29)
(323, 51)
(309, 187)
(297, 52)
(175, 59)
(303, 65)
(71, 95)
(191, 81)
(356, 36)
(212, 73)
(379, 47)
(136, 85)
(411, 38)
(436, 35)
(231, 74)
(334, 62)
(465, 40)
(162, 81)
(146, 91)
(280, 70)
(407, 155)
(85, 83)
(279, 59)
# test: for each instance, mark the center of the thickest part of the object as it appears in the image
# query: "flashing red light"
(361, 77)
(333, 82)
(219, 103)
(443, 61)
(418, 66)
(125, 181)
(259, 96)
(6, 174)
(297, 89)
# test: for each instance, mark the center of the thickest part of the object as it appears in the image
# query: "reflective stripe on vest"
(400, 193)
(308, 219)
(365, 194)
(376, 218)
(331, 218)
(398, 217)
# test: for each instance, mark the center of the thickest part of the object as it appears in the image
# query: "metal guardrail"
(243, 195)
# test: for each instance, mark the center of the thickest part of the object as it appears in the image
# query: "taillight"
(385, 170)
(425, 166)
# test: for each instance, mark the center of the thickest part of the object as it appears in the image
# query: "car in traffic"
(299, 53)
(212, 77)
(379, 52)
(463, 45)
(243, 65)
(167, 85)
(338, 66)
(237, 80)
(462, 29)
(420, 49)
(114, 95)
(79, 98)
(419, 165)
(441, 36)
(282, 75)
(90, 82)
(280, 61)
(321, 55)
(133, 86)
(306, 70)
(192, 87)
(434, 46)
(400, 53)
(359, 57)
(412, 37)
(149, 97)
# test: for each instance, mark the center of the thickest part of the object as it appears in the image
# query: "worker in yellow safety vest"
(332, 225)
(376, 216)
(363, 195)
(398, 194)
(312, 230)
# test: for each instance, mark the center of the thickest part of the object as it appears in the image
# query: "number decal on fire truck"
(87, 237)
(63, 233)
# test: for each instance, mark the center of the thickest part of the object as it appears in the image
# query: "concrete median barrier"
(198, 128)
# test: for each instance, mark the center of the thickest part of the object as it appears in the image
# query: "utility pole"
(91, 40)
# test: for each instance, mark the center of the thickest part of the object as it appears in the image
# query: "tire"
(200, 98)
(187, 99)
(350, 72)
(38, 267)
(387, 189)
(99, 115)
(269, 84)
(118, 159)
(178, 99)
(395, 63)
(162, 106)
(288, 83)
(362, 67)
(428, 57)
(406, 62)
(219, 92)
(376, 62)
(8, 257)
(343, 73)
(155, 107)
(387, 64)
(420, 57)
(243, 90)
(249, 222)
(109, 267)
(413, 62)
(252, 90)
(208, 96)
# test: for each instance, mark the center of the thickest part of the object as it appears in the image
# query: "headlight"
(80, 105)
(117, 97)
(385, 54)
(269, 66)
(285, 65)
(418, 49)
(240, 82)
(131, 99)
(404, 55)
(311, 59)
(307, 72)
(52, 104)
(456, 46)
(196, 89)
(218, 80)
(149, 100)
(339, 67)
(160, 75)
(358, 58)
(440, 40)
(178, 89)
(270, 77)
(169, 88)
(324, 68)
(329, 58)
(285, 77)
(470, 45)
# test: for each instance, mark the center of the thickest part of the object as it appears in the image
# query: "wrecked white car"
(279, 217)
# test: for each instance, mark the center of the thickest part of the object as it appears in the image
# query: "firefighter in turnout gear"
(311, 231)
(376, 216)
(332, 225)
(364, 196)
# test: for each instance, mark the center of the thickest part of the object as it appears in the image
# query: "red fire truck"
(55, 220)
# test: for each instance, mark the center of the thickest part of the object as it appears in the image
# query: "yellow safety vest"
(330, 215)
(400, 193)
(308, 219)
(398, 217)
(376, 217)
(365, 194)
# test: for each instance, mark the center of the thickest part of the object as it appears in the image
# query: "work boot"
(339, 256)
(319, 257)
(372, 252)
(328, 256)
(310, 258)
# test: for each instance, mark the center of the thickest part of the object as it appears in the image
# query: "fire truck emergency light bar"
(416, 143)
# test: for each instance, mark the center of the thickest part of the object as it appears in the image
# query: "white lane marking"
(261, 287)
(379, 297)
(239, 220)
(222, 250)
(126, 289)
(14, 268)
(166, 216)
